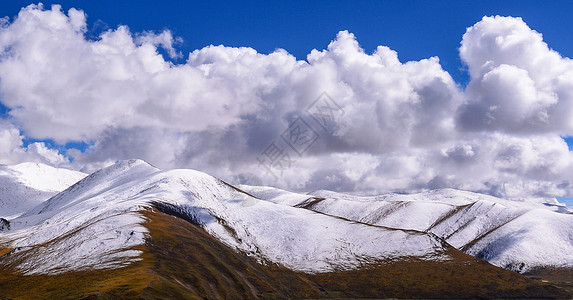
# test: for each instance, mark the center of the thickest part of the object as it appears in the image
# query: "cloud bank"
(399, 126)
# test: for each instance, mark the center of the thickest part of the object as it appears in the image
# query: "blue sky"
(416, 30)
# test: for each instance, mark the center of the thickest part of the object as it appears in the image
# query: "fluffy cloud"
(518, 84)
(12, 150)
(396, 127)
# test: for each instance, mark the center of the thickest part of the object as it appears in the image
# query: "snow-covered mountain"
(520, 236)
(96, 223)
(100, 218)
(26, 185)
(133, 231)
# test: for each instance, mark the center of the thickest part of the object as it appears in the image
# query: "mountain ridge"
(26, 185)
(102, 223)
(477, 224)
(112, 197)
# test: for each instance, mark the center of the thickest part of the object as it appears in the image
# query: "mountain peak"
(26, 185)
(101, 222)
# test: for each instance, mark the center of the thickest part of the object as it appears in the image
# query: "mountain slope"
(515, 235)
(180, 260)
(107, 203)
(132, 230)
(26, 185)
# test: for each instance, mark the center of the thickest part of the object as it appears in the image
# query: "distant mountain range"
(133, 231)
(519, 236)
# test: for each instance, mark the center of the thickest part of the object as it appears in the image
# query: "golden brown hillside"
(182, 261)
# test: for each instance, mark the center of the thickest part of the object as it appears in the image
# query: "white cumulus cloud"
(13, 151)
(402, 126)
(518, 84)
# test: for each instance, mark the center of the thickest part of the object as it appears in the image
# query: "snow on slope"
(93, 224)
(537, 238)
(514, 235)
(26, 185)
(274, 195)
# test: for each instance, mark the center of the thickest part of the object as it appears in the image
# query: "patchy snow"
(518, 235)
(536, 238)
(95, 222)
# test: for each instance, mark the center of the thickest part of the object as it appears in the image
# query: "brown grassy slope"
(464, 277)
(560, 277)
(190, 262)
(4, 250)
(122, 283)
(182, 261)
